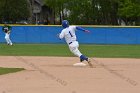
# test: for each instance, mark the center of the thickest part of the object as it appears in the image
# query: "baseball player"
(68, 33)
(7, 29)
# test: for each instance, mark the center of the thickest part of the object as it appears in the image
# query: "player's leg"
(7, 39)
(9, 42)
(74, 49)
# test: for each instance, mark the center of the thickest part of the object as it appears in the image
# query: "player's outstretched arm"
(82, 29)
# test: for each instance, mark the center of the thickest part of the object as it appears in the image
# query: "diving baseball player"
(68, 33)
(7, 29)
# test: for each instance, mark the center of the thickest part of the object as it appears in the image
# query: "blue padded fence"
(98, 35)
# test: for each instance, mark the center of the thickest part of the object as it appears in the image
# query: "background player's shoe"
(11, 44)
(8, 43)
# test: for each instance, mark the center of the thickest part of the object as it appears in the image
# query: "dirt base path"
(58, 75)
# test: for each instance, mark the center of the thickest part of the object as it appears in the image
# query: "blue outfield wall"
(98, 35)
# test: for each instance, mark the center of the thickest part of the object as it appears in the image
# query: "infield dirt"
(58, 75)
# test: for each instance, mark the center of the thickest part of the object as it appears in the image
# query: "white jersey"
(69, 34)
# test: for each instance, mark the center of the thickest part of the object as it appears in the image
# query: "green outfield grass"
(9, 70)
(120, 51)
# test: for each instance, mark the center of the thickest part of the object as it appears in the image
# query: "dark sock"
(82, 58)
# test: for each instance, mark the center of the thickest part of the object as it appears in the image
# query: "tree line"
(97, 12)
(82, 12)
(14, 10)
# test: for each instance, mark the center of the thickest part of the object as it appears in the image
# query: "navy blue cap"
(65, 23)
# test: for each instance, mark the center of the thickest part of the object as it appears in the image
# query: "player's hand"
(58, 36)
(87, 31)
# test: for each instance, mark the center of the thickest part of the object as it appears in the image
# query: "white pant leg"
(8, 39)
(74, 48)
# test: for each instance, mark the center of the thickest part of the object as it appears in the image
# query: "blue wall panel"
(98, 35)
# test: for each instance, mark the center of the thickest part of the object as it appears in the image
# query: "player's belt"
(70, 43)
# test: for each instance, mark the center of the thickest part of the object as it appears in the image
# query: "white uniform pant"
(7, 38)
(74, 48)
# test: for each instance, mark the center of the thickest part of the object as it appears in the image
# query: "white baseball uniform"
(6, 29)
(70, 38)
(7, 37)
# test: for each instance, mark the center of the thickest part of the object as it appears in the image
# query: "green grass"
(9, 70)
(115, 51)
